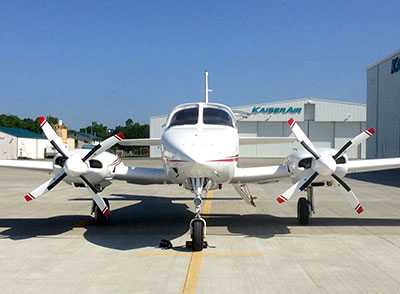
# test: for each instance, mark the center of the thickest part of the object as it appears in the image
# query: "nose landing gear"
(198, 224)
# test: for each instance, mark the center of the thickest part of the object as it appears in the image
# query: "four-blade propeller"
(324, 165)
(74, 165)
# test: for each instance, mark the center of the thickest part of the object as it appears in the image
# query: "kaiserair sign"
(276, 110)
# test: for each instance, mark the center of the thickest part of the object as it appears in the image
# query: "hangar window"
(95, 163)
(305, 163)
(341, 160)
(187, 116)
(215, 116)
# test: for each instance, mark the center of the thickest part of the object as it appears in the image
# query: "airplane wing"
(263, 174)
(358, 166)
(141, 142)
(242, 141)
(265, 140)
(28, 164)
(141, 175)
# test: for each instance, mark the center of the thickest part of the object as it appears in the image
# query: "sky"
(108, 61)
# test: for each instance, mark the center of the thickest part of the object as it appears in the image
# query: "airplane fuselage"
(200, 141)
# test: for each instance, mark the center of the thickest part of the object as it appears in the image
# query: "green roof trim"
(21, 133)
(93, 137)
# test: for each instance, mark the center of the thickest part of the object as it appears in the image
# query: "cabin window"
(185, 117)
(215, 116)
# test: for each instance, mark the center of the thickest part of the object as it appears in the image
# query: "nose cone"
(74, 166)
(325, 165)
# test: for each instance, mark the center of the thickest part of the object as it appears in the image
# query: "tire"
(198, 236)
(303, 211)
(99, 216)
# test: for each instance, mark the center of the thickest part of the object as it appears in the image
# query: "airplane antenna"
(207, 90)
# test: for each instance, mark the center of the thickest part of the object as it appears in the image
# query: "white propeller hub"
(325, 165)
(74, 166)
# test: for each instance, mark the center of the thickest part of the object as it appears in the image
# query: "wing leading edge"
(28, 164)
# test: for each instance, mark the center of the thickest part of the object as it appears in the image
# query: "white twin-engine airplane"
(200, 150)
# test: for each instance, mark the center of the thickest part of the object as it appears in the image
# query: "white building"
(15, 143)
(327, 123)
(383, 107)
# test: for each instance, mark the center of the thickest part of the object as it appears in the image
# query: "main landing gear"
(99, 217)
(198, 224)
(305, 207)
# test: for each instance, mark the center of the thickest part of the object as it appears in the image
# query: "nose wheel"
(197, 234)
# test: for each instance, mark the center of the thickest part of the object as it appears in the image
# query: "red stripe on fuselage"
(225, 160)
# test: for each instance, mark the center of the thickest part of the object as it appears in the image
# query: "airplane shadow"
(152, 218)
(383, 177)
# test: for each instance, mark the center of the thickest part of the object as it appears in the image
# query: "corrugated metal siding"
(383, 94)
(156, 129)
(372, 110)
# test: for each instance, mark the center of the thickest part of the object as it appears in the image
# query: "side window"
(305, 163)
(341, 160)
(95, 163)
(215, 116)
(185, 117)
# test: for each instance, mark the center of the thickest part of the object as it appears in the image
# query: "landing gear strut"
(98, 215)
(198, 224)
(305, 207)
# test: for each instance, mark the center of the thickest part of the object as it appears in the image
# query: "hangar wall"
(327, 123)
(8, 146)
(383, 107)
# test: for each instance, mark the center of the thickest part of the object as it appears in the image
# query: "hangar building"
(327, 123)
(383, 107)
(16, 143)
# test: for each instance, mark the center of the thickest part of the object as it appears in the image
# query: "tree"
(96, 129)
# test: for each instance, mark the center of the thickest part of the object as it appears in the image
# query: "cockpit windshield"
(215, 116)
(187, 116)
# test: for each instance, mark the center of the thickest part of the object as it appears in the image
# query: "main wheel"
(303, 211)
(198, 236)
(99, 216)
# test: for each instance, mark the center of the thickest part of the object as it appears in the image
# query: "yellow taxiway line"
(193, 272)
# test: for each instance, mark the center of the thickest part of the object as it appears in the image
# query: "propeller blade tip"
(106, 212)
(120, 135)
(360, 209)
(280, 199)
(42, 120)
(29, 197)
(371, 131)
(291, 122)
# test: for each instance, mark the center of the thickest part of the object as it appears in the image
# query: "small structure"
(19, 143)
(82, 139)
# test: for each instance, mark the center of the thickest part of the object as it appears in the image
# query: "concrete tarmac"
(51, 245)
